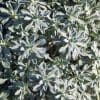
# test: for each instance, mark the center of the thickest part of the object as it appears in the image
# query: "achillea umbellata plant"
(49, 50)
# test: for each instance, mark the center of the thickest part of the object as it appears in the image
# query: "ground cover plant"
(49, 50)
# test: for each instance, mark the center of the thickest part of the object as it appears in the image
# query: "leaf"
(2, 81)
(3, 10)
(5, 20)
(58, 96)
(63, 49)
(37, 87)
(3, 96)
(6, 64)
(41, 42)
(75, 54)
(18, 92)
(25, 12)
(11, 28)
(27, 18)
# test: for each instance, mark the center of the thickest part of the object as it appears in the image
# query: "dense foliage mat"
(49, 50)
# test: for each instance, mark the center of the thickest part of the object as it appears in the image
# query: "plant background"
(49, 50)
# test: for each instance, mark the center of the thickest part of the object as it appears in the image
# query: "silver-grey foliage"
(49, 50)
